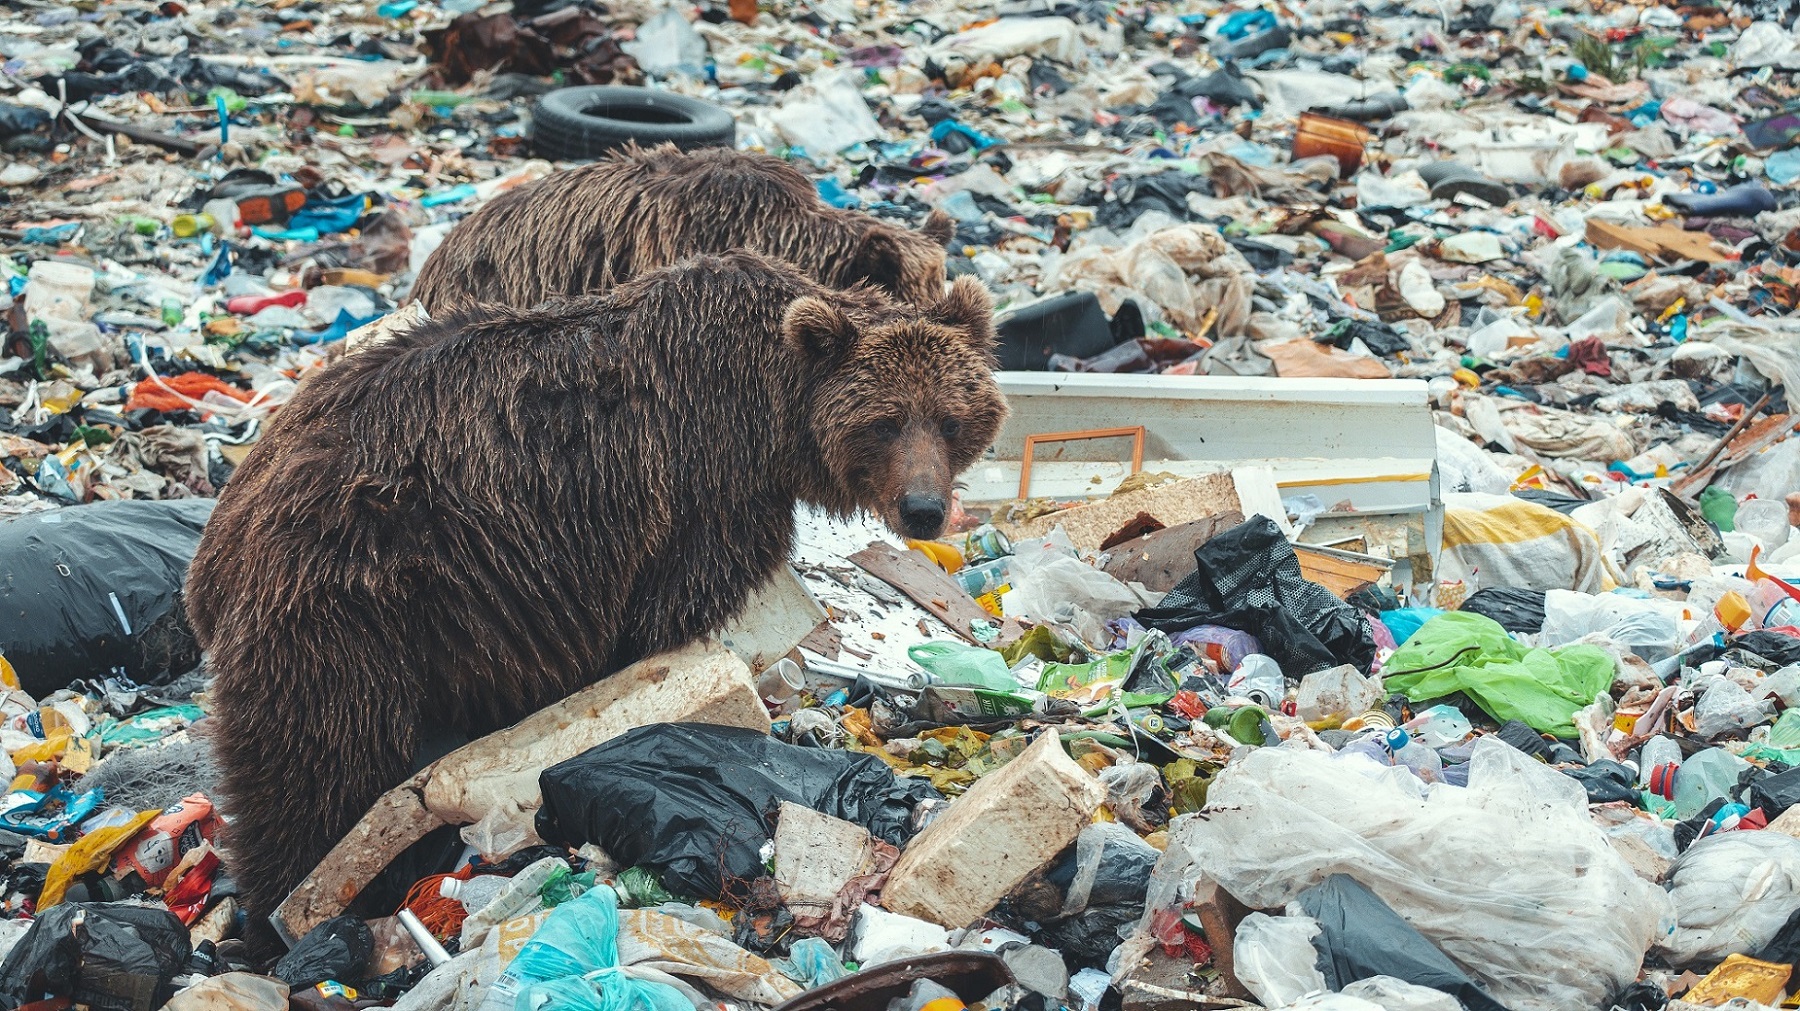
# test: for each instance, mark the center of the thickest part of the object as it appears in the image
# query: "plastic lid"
(1397, 739)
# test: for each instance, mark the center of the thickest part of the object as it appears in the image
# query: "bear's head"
(906, 264)
(907, 402)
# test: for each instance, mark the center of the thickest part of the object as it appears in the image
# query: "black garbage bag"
(1248, 578)
(1361, 936)
(17, 119)
(1770, 645)
(1087, 940)
(1605, 782)
(339, 949)
(695, 802)
(1069, 324)
(1775, 794)
(108, 956)
(1515, 608)
(60, 573)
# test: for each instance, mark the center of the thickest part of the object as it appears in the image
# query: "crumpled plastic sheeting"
(1552, 431)
(1732, 893)
(675, 946)
(1053, 37)
(1508, 876)
(1162, 268)
(1771, 344)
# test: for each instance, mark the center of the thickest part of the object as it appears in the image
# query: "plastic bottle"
(186, 226)
(520, 898)
(1439, 727)
(1710, 775)
(1732, 610)
(1414, 755)
(1658, 753)
(474, 893)
(984, 578)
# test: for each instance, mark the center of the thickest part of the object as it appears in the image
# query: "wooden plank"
(1161, 559)
(932, 589)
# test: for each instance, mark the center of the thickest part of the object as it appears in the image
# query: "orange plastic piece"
(152, 394)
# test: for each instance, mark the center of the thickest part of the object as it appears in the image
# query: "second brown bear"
(582, 231)
(468, 522)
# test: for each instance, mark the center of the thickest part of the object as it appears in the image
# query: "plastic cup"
(1765, 519)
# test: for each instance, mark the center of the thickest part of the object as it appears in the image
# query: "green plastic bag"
(956, 663)
(1466, 652)
(1718, 506)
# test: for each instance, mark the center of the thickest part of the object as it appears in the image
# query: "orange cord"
(442, 916)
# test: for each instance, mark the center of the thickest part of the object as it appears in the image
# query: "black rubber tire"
(581, 124)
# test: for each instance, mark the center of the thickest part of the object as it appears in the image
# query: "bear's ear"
(879, 260)
(968, 305)
(939, 227)
(818, 329)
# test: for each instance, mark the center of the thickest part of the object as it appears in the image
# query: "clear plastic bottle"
(521, 897)
(476, 892)
(1711, 774)
(1439, 727)
(1658, 751)
(1415, 755)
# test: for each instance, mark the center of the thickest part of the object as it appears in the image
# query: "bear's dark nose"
(922, 515)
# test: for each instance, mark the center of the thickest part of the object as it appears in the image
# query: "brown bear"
(482, 515)
(582, 231)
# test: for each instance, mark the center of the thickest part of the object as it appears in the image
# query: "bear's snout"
(923, 515)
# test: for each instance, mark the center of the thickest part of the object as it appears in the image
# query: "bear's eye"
(952, 428)
(887, 429)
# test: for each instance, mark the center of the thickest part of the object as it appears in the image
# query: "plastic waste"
(1468, 867)
(1341, 693)
(572, 962)
(1708, 776)
(688, 799)
(237, 991)
(1360, 936)
(113, 955)
(1764, 519)
(668, 44)
(1460, 651)
(955, 663)
(120, 604)
(475, 892)
(1439, 727)
(338, 949)
(1273, 956)
(1732, 893)
(1658, 761)
(1248, 578)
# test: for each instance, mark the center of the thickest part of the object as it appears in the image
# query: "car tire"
(581, 124)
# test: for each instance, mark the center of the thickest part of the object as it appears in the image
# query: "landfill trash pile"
(1178, 741)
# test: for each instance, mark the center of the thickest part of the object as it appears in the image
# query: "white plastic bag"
(1052, 586)
(1732, 892)
(1725, 707)
(1508, 877)
(880, 936)
(1399, 995)
(1650, 628)
(1274, 958)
